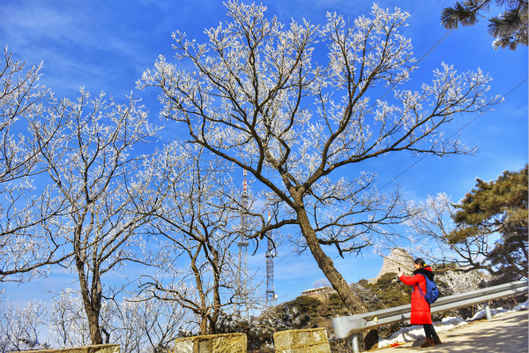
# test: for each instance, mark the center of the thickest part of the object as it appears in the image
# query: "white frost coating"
(247, 89)
(22, 101)
(296, 104)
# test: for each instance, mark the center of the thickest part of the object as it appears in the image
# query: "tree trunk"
(203, 324)
(91, 303)
(93, 323)
(353, 303)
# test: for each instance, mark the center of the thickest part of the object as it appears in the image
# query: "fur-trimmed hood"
(426, 271)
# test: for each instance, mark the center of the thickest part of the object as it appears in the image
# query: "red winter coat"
(420, 309)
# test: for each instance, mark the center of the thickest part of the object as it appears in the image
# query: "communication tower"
(242, 273)
(270, 254)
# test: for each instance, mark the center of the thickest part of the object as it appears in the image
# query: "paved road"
(505, 333)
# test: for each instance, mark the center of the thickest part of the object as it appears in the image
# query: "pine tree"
(497, 207)
(509, 29)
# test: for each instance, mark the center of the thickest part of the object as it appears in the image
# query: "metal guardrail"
(345, 326)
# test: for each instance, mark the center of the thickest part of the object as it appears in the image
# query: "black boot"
(428, 342)
(435, 338)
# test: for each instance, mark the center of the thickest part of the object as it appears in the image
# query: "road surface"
(505, 333)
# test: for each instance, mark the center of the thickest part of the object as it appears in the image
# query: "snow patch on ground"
(413, 333)
(482, 313)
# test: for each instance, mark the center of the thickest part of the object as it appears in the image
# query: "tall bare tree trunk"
(353, 303)
(91, 302)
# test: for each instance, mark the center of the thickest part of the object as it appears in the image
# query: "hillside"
(320, 306)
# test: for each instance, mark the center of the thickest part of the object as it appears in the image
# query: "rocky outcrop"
(460, 282)
(397, 260)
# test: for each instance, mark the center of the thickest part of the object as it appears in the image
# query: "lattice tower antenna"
(242, 275)
(270, 254)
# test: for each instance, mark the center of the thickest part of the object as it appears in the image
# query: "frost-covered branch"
(200, 226)
(96, 172)
(299, 105)
(24, 204)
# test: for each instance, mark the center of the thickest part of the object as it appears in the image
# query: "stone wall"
(221, 343)
(98, 348)
(302, 341)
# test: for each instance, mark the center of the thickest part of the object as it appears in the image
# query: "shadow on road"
(508, 337)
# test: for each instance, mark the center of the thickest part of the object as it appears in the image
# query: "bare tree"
(136, 324)
(67, 320)
(200, 228)
(430, 229)
(148, 325)
(23, 205)
(21, 97)
(21, 328)
(437, 235)
(301, 106)
(95, 170)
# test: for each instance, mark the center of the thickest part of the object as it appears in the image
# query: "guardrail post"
(487, 312)
(356, 342)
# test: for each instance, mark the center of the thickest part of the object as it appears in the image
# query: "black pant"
(430, 333)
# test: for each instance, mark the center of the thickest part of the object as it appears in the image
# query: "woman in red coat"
(420, 309)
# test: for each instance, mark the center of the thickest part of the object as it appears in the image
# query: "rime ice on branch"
(293, 103)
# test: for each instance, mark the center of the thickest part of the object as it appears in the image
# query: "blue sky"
(106, 45)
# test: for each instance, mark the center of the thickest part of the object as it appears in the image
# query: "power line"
(392, 180)
(435, 45)
(280, 260)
